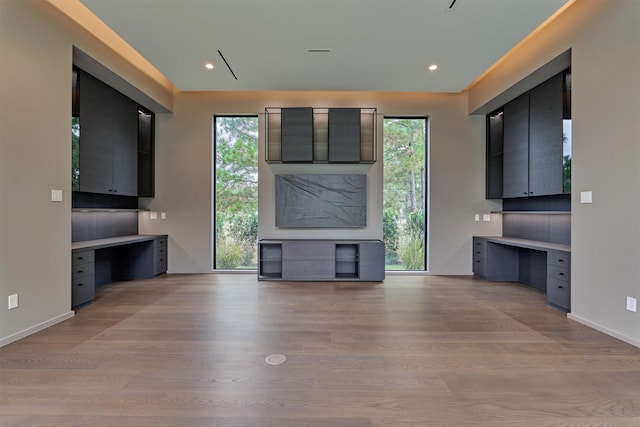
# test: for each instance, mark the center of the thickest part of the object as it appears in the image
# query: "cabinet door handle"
(80, 284)
(561, 274)
(560, 287)
(80, 271)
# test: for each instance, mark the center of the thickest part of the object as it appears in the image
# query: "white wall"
(604, 38)
(183, 174)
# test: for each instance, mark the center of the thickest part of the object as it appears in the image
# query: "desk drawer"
(559, 273)
(479, 266)
(559, 293)
(82, 290)
(160, 241)
(82, 270)
(479, 246)
(561, 259)
(82, 257)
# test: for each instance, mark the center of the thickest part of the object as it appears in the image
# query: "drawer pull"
(80, 257)
(561, 274)
(560, 286)
(80, 271)
(560, 260)
(80, 284)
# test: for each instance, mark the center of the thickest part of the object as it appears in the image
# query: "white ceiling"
(375, 45)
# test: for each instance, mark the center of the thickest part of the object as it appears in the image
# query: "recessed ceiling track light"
(318, 50)
(228, 66)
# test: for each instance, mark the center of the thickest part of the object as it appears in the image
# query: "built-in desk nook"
(544, 265)
(101, 261)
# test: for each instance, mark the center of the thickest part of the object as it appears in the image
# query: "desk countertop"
(529, 244)
(113, 241)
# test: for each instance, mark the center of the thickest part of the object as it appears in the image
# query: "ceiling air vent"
(450, 5)
(227, 64)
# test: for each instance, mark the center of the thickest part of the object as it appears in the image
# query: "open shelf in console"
(270, 261)
(347, 261)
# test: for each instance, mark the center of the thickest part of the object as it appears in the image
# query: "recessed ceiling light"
(209, 66)
(433, 67)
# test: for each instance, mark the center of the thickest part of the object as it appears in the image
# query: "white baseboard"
(36, 328)
(604, 330)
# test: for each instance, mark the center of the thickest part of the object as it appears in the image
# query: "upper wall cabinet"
(112, 141)
(320, 135)
(146, 169)
(297, 135)
(530, 136)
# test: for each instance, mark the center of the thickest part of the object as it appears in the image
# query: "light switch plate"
(631, 304)
(486, 217)
(163, 215)
(586, 197)
(153, 215)
(12, 301)
(56, 195)
(476, 217)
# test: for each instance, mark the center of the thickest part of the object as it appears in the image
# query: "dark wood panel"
(95, 133)
(344, 135)
(108, 139)
(516, 151)
(297, 134)
(495, 155)
(545, 138)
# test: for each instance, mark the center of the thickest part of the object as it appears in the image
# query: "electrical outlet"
(13, 301)
(476, 217)
(163, 215)
(631, 304)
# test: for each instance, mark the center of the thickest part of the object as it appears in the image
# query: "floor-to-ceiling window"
(405, 193)
(235, 193)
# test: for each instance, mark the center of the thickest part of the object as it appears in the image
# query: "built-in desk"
(97, 262)
(544, 265)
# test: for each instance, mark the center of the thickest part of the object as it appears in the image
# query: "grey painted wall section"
(604, 38)
(183, 173)
(36, 44)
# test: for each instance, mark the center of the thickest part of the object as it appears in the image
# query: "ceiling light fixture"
(433, 67)
(209, 66)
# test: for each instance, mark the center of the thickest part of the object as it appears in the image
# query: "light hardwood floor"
(189, 350)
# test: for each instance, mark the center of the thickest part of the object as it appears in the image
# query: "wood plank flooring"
(189, 350)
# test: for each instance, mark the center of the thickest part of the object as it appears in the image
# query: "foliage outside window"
(235, 192)
(405, 183)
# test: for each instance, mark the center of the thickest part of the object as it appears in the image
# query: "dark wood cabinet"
(108, 149)
(344, 135)
(535, 160)
(543, 265)
(102, 261)
(297, 134)
(146, 170)
(545, 138)
(320, 135)
(495, 155)
(321, 260)
(516, 147)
